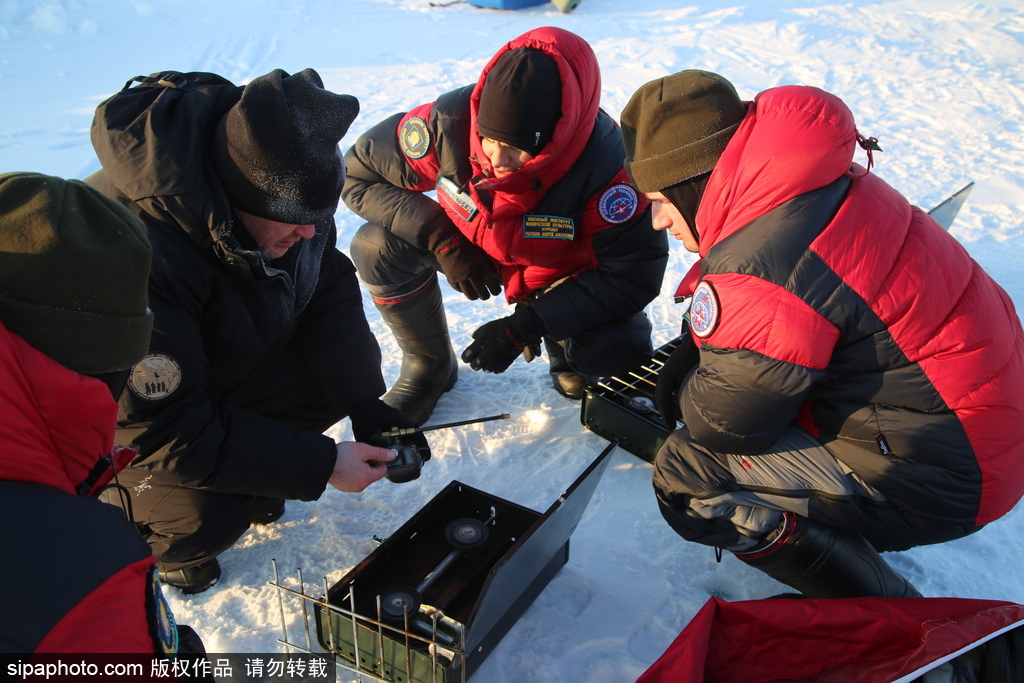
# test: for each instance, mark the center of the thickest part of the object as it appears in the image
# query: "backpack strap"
(164, 79)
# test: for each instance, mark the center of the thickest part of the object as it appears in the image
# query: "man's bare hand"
(359, 465)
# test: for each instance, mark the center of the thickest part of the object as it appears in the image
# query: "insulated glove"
(671, 376)
(371, 417)
(469, 269)
(497, 343)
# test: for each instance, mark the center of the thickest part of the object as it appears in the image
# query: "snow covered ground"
(938, 82)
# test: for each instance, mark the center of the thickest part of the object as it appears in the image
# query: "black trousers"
(392, 266)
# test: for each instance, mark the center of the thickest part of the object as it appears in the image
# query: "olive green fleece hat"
(675, 128)
(74, 273)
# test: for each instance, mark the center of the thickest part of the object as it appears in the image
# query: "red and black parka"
(823, 298)
(77, 577)
(569, 212)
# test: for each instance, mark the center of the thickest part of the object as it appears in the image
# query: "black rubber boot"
(566, 381)
(822, 562)
(266, 510)
(194, 579)
(429, 365)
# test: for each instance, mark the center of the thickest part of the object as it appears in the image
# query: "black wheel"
(466, 533)
(397, 601)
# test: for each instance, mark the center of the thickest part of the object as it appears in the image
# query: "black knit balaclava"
(276, 150)
(521, 100)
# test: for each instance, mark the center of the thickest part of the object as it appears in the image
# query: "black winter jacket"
(222, 312)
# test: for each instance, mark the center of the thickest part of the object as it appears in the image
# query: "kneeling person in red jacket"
(73, 319)
(532, 198)
(855, 383)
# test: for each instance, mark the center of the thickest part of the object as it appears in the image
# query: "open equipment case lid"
(509, 577)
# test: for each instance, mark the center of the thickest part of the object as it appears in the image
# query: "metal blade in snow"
(946, 212)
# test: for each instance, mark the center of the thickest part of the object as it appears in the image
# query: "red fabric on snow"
(825, 641)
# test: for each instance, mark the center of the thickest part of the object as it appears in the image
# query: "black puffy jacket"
(221, 311)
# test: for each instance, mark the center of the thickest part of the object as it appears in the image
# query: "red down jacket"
(827, 300)
(83, 580)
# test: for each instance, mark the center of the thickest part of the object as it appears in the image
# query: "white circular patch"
(154, 377)
(704, 309)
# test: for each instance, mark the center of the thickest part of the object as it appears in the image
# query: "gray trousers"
(732, 501)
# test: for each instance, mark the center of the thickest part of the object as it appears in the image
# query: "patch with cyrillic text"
(548, 227)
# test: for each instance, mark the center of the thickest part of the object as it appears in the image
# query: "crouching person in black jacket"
(260, 342)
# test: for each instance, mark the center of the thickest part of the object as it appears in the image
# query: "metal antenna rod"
(415, 430)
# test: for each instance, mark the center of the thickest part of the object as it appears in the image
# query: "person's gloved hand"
(671, 376)
(372, 417)
(468, 268)
(497, 343)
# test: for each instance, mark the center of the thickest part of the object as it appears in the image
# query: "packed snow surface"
(938, 82)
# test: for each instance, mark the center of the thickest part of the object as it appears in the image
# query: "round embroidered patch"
(162, 626)
(617, 204)
(154, 377)
(704, 309)
(414, 138)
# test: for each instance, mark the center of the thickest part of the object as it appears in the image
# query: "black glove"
(372, 417)
(497, 343)
(671, 376)
(469, 269)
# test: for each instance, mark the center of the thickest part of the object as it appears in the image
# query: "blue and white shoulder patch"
(161, 620)
(704, 309)
(414, 138)
(618, 203)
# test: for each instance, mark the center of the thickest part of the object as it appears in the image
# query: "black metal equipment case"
(475, 595)
(621, 408)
